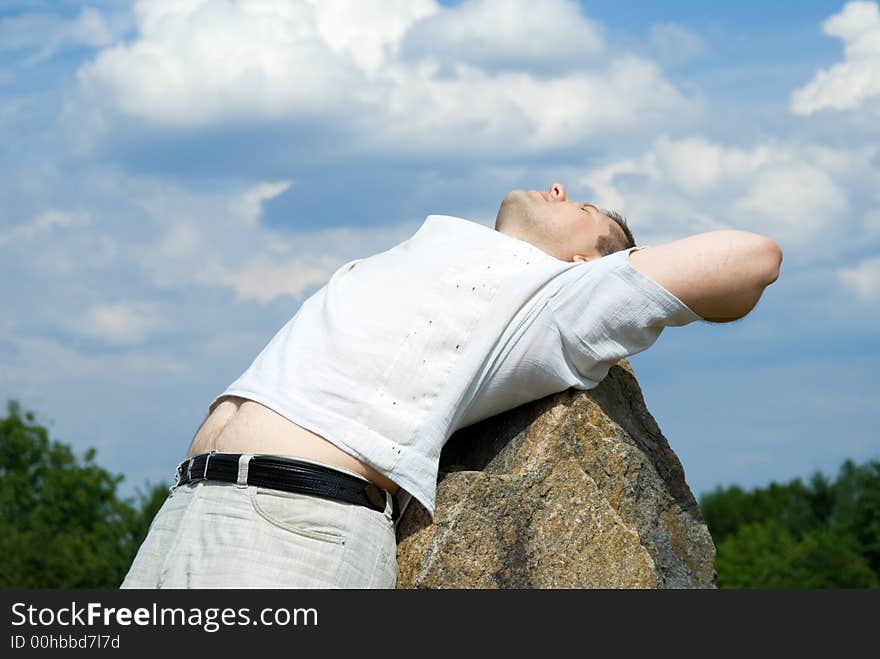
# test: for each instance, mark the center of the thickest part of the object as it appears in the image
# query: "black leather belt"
(287, 474)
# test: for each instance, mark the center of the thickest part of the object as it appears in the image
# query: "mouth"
(543, 194)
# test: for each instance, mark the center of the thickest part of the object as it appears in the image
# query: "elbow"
(766, 259)
(774, 261)
(760, 255)
(762, 261)
(768, 262)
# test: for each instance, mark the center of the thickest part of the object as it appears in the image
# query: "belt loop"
(389, 505)
(243, 462)
(177, 478)
(207, 460)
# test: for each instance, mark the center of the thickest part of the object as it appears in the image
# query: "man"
(304, 464)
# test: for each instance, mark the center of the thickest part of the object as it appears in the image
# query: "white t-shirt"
(457, 323)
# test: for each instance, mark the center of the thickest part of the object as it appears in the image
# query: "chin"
(508, 207)
(515, 198)
(516, 209)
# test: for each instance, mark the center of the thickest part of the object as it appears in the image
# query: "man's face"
(568, 230)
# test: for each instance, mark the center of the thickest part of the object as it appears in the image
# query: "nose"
(557, 192)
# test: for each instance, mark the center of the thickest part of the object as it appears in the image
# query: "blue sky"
(176, 178)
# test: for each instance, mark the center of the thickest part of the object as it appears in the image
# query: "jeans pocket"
(303, 514)
(385, 571)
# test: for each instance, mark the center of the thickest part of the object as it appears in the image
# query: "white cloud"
(121, 322)
(370, 32)
(91, 28)
(696, 165)
(182, 241)
(871, 223)
(196, 63)
(281, 265)
(218, 240)
(343, 65)
(38, 362)
(794, 193)
(59, 242)
(800, 199)
(251, 205)
(71, 256)
(863, 279)
(674, 44)
(508, 33)
(855, 82)
(44, 223)
(231, 342)
(44, 35)
(263, 279)
(478, 111)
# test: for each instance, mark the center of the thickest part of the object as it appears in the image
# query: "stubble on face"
(518, 214)
(527, 215)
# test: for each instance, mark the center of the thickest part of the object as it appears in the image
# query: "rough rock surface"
(576, 490)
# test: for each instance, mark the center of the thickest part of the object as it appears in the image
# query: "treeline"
(63, 523)
(818, 534)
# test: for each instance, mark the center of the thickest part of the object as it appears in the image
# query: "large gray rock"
(576, 490)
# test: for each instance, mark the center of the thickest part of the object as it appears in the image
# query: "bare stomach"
(240, 425)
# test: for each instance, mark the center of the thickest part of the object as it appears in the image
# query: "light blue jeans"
(211, 534)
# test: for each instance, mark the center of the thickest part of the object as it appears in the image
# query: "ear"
(581, 257)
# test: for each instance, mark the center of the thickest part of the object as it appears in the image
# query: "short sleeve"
(606, 310)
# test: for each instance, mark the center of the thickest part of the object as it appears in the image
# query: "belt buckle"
(188, 470)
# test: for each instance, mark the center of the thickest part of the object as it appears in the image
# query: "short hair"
(609, 244)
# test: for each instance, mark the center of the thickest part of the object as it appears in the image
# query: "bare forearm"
(719, 274)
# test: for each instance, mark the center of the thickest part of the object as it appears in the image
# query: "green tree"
(62, 522)
(856, 508)
(821, 534)
(768, 555)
